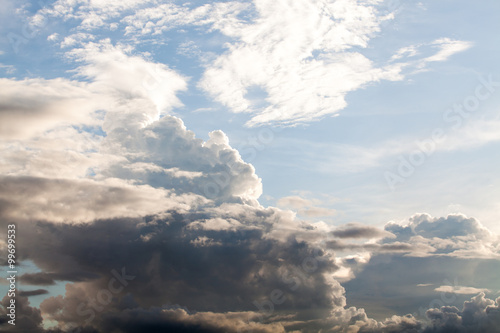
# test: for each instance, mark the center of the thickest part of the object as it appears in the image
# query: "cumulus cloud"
(28, 319)
(454, 235)
(165, 154)
(480, 314)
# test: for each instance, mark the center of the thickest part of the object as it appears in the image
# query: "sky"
(250, 166)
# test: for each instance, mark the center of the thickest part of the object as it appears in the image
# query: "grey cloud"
(37, 292)
(480, 314)
(242, 268)
(387, 284)
(358, 230)
(37, 279)
(179, 320)
(47, 279)
(28, 319)
(374, 247)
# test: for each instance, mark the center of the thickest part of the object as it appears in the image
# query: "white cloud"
(448, 47)
(461, 290)
(9, 69)
(75, 39)
(54, 37)
(150, 88)
(158, 19)
(454, 235)
(300, 54)
(32, 106)
(303, 55)
(92, 14)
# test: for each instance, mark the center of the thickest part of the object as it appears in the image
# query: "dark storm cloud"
(38, 279)
(27, 318)
(169, 263)
(193, 273)
(235, 270)
(47, 279)
(373, 247)
(28, 293)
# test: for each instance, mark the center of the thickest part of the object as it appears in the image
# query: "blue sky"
(294, 118)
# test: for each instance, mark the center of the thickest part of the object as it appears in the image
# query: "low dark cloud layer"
(37, 292)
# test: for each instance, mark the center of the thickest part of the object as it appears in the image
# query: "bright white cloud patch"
(301, 54)
(461, 290)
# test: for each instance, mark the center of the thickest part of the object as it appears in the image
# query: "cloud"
(425, 251)
(179, 320)
(161, 18)
(28, 319)
(294, 202)
(149, 88)
(176, 159)
(480, 314)
(90, 14)
(448, 47)
(304, 70)
(28, 293)
(62, 200)
(32, 106)
(212, 275)
(358, 230)
(461, 290)
(305, 207)
(454, 235)
(300, 54)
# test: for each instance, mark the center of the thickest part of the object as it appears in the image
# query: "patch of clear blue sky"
(28, 267)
